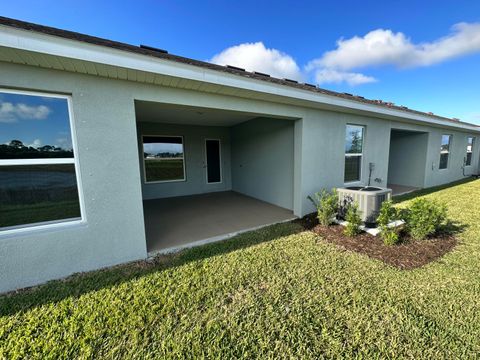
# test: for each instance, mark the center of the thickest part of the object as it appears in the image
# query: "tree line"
(16, 149)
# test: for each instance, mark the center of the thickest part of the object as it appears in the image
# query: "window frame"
(450, 141)
(361, 155)
(183, 158)
(51, 224)
(470, 152)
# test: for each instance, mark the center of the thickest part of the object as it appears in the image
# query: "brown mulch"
(409, 254)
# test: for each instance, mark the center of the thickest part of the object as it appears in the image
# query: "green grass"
(11, 215)
(164, 169)
(273, 293)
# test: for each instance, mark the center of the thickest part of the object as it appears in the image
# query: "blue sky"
(409, 52)
(34, 120)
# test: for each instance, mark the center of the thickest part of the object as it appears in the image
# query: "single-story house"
(111, 151)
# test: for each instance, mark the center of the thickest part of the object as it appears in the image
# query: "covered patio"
(176, 222)
(209, 173)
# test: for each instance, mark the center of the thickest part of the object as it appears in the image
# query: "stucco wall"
(262, 160)
(194, 147)
(104, 120)
(407, 160)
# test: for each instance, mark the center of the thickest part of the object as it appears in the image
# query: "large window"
(163, 158)
(470, 144)
(353, 153)
(445, 151)
(38, 178)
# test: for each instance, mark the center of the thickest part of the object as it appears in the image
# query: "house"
(155, 151)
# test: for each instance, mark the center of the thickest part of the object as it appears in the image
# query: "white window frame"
(54, 224)
(354, 155)
(470, 152)
(183, 158)
(220, 160)
(450, 141)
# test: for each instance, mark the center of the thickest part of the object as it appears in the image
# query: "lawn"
(273, 293)
(12, 215)
(164, 169)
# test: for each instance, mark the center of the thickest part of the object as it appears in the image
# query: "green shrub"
(326, 204)
(387, 214)
(353, 221)
(425, 217)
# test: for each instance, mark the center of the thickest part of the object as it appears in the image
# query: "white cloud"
(10, 112)
(35, 144)
(326, 76)
(385, 47)
(256, 57)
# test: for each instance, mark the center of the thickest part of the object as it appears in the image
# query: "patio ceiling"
(147, 111)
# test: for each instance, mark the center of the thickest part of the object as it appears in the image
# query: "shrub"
(326, 204)
(387, 214)
(425, 217)
(353, 221)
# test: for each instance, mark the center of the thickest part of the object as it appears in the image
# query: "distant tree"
(46, 148)
(16, 144)
(356, 142)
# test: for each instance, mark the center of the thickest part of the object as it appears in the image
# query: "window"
(470, 143)
(38, 177)
(445, 151)
(353, 153)
(163, 158)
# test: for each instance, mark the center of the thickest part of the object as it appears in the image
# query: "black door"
(214, 171)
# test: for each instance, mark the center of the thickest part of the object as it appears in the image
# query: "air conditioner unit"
(368, 198)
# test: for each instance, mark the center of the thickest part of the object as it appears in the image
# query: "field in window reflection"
(37, 193)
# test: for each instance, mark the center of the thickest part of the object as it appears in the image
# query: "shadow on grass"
(422, 192)
(76, 285)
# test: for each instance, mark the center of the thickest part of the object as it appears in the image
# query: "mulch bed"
(410, 254)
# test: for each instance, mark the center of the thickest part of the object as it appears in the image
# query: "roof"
(162, 54)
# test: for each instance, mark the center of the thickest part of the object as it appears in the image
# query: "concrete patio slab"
(174, 223)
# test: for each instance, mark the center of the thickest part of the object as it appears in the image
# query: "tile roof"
(163, 54)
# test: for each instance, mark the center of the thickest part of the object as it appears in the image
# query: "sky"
(34, 120)
(420, 54)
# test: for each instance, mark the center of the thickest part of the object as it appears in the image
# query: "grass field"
(12, 215)
(272, 293)
(164, 169)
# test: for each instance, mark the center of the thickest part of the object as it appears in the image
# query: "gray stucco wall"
(194, 147)
(262, 160)
(407, 159)
(104, 120)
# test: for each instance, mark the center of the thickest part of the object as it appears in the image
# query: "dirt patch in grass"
(410, 254)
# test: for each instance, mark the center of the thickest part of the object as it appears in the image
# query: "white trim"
(57, 46)
(219, 159)
(49, 161)
(183, 160)
(75, 160)
(41, 226)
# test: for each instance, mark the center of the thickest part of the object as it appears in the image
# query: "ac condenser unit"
(368, 198)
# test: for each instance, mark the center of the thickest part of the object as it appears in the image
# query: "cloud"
(256, 57)
(35, 144)
(385, 47)
(10, 112)
(326, 76)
